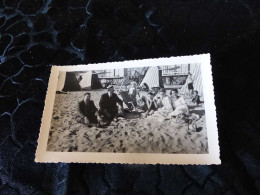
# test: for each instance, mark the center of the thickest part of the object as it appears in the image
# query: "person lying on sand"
(88, 113)
(179, 104)
(151, 105)
(108, 104)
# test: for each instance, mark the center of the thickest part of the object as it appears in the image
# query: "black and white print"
(150, 108)
(156, 109)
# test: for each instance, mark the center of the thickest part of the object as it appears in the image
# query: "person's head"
(195, 92)
(162, 92)
(87, 97)
(150, 95)
(174, 91)
(145, 85)
(133, 84)
(175, 96)
(156, 89)
(110, 89)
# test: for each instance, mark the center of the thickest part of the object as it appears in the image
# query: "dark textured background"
(37, 33)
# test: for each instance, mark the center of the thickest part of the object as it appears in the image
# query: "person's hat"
(110, 86)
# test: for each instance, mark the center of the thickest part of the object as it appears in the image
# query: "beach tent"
(74, 81)
(197, 79)
(152, 77)
(70, 82)
(89, 80)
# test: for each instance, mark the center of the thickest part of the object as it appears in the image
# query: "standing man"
(88, 113)
(108, 104)
(190, 85)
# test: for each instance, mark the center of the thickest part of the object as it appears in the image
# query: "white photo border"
(213, 157)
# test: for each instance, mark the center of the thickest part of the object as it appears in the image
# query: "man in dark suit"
(108, 104)
(88, 113)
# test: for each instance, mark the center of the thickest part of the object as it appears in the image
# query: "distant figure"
(103, 83)
(190, 84)
(179, 104)
(108, 104)
(196, 98)
(145, 87)
(88, 113)
(151, 105)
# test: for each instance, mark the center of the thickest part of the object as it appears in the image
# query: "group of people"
(167, 106)
(110, 106)
(153, 102)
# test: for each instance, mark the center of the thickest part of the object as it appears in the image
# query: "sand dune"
(148, 135)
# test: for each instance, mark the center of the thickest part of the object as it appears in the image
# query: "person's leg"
(106, 114)
(151, 112)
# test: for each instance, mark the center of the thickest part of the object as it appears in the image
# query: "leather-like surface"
(35, 34)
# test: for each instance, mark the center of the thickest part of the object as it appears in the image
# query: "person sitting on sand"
(165, 101)
(141, 100)
(151, 104)
(88, 113)
(157, 96)
(108, 104)
(179, 104)
(132, 92)
(196, 98)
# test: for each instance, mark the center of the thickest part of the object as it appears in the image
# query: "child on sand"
(196, 98)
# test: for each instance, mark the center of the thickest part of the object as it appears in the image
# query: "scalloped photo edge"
(50, 147)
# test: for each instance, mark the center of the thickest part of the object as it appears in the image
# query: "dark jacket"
(109, 103)
(196, 99)
(88, 110)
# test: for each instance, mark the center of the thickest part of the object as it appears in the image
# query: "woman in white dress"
(179, 104)
(166, 106)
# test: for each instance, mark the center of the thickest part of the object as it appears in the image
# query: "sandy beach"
(149, 135)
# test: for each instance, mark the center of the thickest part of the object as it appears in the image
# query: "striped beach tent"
(152, 77)
(195, 70)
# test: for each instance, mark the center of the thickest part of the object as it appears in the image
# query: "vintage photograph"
(156, 107)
